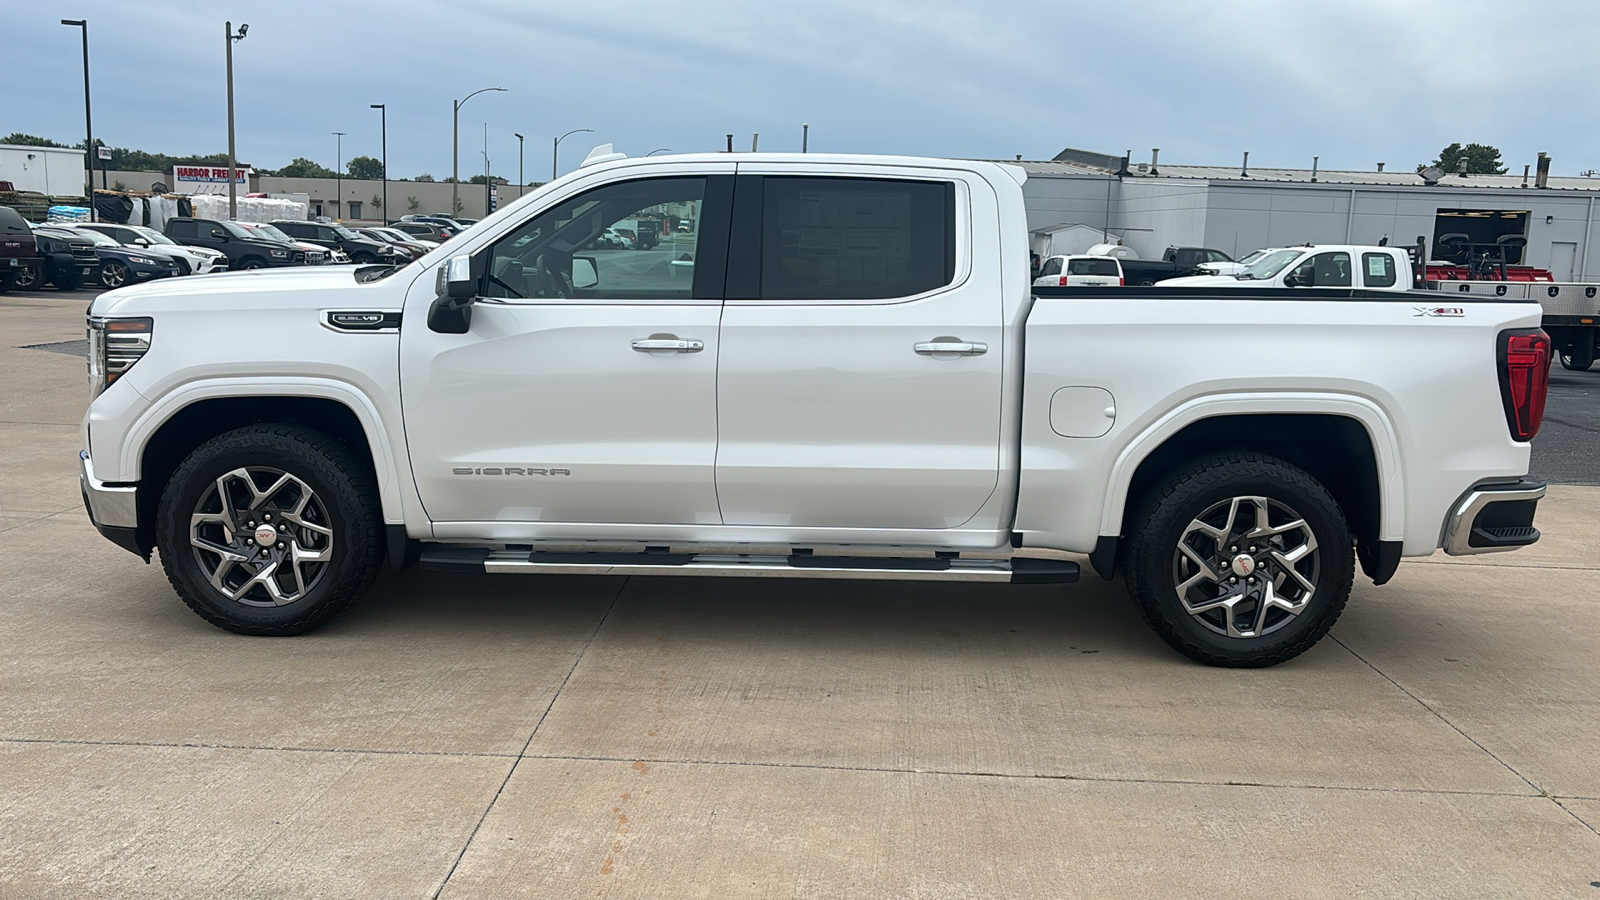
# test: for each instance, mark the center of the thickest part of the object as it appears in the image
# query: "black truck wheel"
(26, 279)
(1240, 560)
(1580, 359)
(270, 530)
(67, 280)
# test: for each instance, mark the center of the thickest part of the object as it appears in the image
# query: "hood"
(310, 287)
(1207, 281)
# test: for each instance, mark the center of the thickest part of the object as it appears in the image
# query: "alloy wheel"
(261, 536)
(114, 274)
(1246, 566)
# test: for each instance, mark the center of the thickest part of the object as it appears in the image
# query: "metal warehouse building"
(1078, 197)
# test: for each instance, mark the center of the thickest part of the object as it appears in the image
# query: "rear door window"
(855, 238)
(1094, 267)
(1052, 266)
(182, 230)
(1378, 269)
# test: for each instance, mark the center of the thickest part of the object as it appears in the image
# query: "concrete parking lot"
(635, 737)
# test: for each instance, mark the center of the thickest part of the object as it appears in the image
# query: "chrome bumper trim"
(1458, 531)
(112, 507)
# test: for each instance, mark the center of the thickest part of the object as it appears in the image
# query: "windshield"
(1252, 256)
(239, 231)
(272, 232)
(346, 233)
(1270, 265)
(152, 235)
(100, 239)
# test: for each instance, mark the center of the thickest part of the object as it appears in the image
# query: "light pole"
(661, 150)
(89, 155)
(805, 136)
(338, 176)
(233, 199)
(557, 149)
(520, 182)
(455, 145)
(384, 214)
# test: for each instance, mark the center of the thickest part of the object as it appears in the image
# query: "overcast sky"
(1354, 81)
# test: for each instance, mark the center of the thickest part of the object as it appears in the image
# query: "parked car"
(614, 240)
(1080, 271)
(425, 230)
(191, 260)
(316, 254)
(400, 237)
(1174, 262)
(66, 261)
(1236, 453)
(19, 252)
(1327, 266)
(399, 240)
(361, 250)
(121, 265)
(243, 249)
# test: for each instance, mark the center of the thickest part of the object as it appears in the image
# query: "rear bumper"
(1493, 517)
(113, 509)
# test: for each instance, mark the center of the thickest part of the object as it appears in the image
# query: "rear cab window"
(12, 222)
(1378, 269)
(1052, 266)
(1106, 266)
(826, 238)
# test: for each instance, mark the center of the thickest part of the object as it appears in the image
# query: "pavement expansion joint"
(210, 745)
(467, 845)
(1088, 779)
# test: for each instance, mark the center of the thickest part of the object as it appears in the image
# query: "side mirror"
(1294, 280)
(457, 289)
(141, 242)
(585, 272)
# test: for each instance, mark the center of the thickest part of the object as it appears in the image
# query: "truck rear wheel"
(1240, 560)
(270, 530)
(1579, 360)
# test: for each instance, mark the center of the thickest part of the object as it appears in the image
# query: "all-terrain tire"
(1185, 505)
(343, 502)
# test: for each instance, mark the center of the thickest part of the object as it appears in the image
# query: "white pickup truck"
(833, 367)
(1315, 265)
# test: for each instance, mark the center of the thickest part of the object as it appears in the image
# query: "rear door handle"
(951, 346)
(668, 345)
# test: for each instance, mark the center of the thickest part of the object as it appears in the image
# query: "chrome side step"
(1017, 570)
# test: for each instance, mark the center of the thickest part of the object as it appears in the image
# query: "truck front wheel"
(270, 530)
(1240, 560)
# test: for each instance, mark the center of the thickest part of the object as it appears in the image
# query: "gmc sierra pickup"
(838, 366)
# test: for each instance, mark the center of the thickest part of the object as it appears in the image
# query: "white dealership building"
(1078, 197)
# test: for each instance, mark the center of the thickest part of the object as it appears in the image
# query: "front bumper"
(113, 509)
(1493, 517)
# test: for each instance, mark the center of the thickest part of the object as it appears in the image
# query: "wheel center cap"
(266, 536)
(1243, 564)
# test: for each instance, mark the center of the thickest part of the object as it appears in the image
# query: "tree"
(364, 167)
(423, 177)
(459, 206)
(479, 179)
(1482, 159)
(29, 140)
(305, 168)
(377, 201)
(412, 203)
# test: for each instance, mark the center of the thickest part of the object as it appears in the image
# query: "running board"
(1017, 570)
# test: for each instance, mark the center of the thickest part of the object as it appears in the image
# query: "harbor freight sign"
(207, 179)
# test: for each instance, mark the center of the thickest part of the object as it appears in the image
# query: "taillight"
(1122, 282)
(1062, 282)
(1524, 380)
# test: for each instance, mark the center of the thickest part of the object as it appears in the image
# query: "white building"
(56, 171)
(1236, 210)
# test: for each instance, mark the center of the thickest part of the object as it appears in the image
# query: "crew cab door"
(584, 388)
(860, 376)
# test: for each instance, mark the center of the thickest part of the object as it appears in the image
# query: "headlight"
(279, 254)
(142, 260)
(114, 346)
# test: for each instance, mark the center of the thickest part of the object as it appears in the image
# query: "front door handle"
(667, 344)
(945, 346)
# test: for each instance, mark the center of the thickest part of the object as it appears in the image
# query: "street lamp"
(384, 216)
(338, 176)
(520, 182)
(455, 144)
(89, 155)
(662, 150)
(233, 200)
(558, 148)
